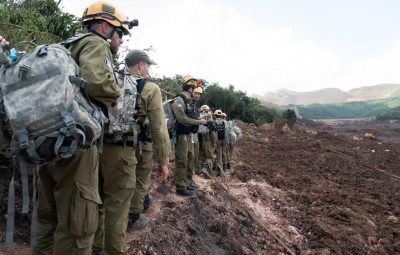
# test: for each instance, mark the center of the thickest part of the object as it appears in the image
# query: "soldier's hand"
(202, 122)
(3, 41)
(162, 173)
(115, 104)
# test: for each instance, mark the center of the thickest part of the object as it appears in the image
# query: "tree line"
(35, 22)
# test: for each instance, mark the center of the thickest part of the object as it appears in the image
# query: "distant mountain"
(375, 92)
(385, 108)
(331, 95)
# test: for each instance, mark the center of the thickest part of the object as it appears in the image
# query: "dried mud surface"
(311, 191)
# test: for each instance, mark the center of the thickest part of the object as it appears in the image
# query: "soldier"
(186, 124)
(226, 159)
(153, 134)
(220, 125)
(195, 168)
(68, 190)
(207, 142)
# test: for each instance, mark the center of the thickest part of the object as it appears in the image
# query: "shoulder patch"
(108, 63)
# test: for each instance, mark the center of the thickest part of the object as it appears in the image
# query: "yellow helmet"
(205, 107)
(198, 90)
(189, 80)
(218, 112)
(105, 11)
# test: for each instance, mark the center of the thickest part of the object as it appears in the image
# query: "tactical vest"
(220, 128)
(191, 113)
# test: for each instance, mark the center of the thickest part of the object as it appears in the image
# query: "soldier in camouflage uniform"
(208, 143)
(220, 143)
(186, 124)
(226, 159)
(196, 165)
(153, 135)
(68, 190)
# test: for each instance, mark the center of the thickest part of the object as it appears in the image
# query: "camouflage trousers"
(117, 182)
(143, 177)
(183, 161)
(67, 205)
(206, 154)
(196, 160)
(220, 155)
(229, 152)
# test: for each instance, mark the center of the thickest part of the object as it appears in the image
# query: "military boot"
(206, 171)
(185, 192)
(220, 172)
(136, 223)
(224, 167)
(228, 166)
(147, 202)
(193, 186)
(97, 251)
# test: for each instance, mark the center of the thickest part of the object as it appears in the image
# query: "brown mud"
(308, 191)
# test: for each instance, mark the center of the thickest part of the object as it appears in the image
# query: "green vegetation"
(290, 116)
(42, 22)
(349, 110)
(236, 104)
(35, 22)
(391, 114)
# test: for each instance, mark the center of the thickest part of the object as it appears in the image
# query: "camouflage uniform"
(68, 190)
(208, 143)
(120, 178)
(184, 152)
(157, 139)
(220, 149)
(196, 152)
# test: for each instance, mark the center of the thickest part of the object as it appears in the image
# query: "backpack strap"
(67, 43)
(11, 207)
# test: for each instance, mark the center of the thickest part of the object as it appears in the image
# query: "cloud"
(217, 42)
(374, 70)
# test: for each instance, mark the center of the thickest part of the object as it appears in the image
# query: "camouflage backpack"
(169, 116)
(232, 132)
(230, 135)
(123, 117)
(50, 115)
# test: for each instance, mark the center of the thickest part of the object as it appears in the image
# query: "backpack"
(169, 116)
(44, 100)
(237, 130)
(203, 129)
(52, 118)
(230, 135)
(123, 117)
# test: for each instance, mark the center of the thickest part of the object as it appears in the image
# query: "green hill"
(347, 110)
(391, 114)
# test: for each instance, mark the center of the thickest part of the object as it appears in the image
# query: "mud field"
(311, 191)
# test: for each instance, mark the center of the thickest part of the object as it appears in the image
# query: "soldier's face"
(116, 40)
(196, 96)
(144, 69)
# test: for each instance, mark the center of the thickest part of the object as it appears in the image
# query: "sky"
(267, 45)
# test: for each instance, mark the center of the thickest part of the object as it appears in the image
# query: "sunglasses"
(120, 32)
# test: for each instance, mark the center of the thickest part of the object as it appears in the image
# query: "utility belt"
(122, 140)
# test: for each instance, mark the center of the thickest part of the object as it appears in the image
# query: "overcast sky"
(266, 45)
